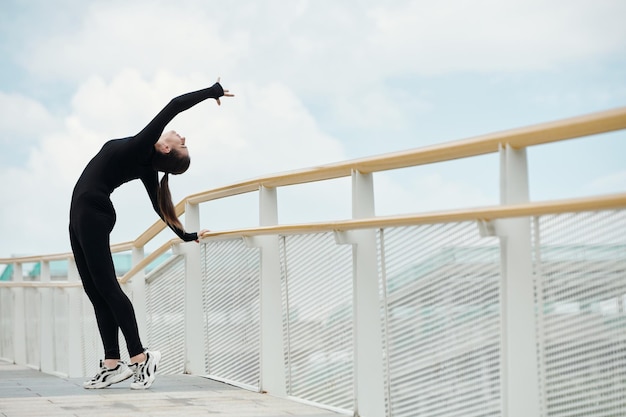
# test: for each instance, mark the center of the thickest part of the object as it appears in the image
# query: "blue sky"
(316, 82)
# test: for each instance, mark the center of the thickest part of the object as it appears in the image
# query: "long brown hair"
(169, 163)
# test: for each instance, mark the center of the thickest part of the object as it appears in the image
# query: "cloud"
(611, 183)
(144, 35)
(247, 136)
(378, 108)
(430, 191)
(490, 35)
(22, 119)
(340, 57)
(312, 45)
(122, 61)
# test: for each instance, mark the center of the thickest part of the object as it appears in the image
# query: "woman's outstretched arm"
(150, 134)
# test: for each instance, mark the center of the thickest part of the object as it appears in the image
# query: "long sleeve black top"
(122, 160)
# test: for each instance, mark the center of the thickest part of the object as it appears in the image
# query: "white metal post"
(194, 331)
(370, 396)
(75, 333)
(138, 287)
(47, 328)
(19, 318)
(272, 344)
(520, 381)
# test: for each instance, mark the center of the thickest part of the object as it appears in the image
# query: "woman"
(92, 218)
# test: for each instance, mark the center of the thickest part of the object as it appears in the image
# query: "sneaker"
(145, 372)
(106, 376)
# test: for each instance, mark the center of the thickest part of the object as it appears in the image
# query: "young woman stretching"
(92, 218)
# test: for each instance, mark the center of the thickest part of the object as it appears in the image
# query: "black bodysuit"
(92, 218)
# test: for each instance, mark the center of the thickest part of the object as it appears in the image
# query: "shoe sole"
(152, 377)
(116, 379)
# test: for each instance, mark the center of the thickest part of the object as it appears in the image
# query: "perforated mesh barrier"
(318, 319)
(60, 323)
(7, 308)
(90, 337)
(580, 270)
(165, 308)
(443, 320)
(230, 279)
(32, 316)
(441, 303)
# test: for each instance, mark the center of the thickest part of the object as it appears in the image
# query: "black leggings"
(90, 226)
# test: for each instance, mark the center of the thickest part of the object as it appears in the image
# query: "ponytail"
(164, 198)
(169, 163)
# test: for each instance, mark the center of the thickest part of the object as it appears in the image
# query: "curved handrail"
(607, 202)
(574, 127)
(569, 128)
(489, 213)
(148, 259)
(118, 247)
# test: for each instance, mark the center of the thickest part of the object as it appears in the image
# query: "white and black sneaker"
(145, 372)
(106, 377)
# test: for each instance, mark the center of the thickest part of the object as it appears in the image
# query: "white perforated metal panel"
(127, 288)
(32, 316)
(92, 344)
(580, 267)
(92, 348)
(6, 323)
(231, 274)
(60, 320)
(318, 319)
(443, 314)
(165, 307)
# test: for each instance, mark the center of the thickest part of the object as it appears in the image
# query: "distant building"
(58, 269)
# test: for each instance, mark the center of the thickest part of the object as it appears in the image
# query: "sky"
(316, 82)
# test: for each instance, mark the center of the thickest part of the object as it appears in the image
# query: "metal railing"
(515, 309)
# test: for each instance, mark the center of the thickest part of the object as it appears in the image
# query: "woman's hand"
(202, 232)
(226, 94)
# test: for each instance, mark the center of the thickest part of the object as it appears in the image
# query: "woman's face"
(172, 140)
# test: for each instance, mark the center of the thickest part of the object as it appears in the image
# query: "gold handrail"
(606, 202)
(613, 201)
(574, 127)
(148, 259)
(595, 123)
(36, 258)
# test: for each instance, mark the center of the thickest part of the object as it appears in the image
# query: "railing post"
(520, 381)
(194, 329)
(19, 318)
(75, 312)
(138, 286)
(370, 396)
(272, 342)
(47, 328)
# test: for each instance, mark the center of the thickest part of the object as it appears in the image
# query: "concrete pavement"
(25, 392)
